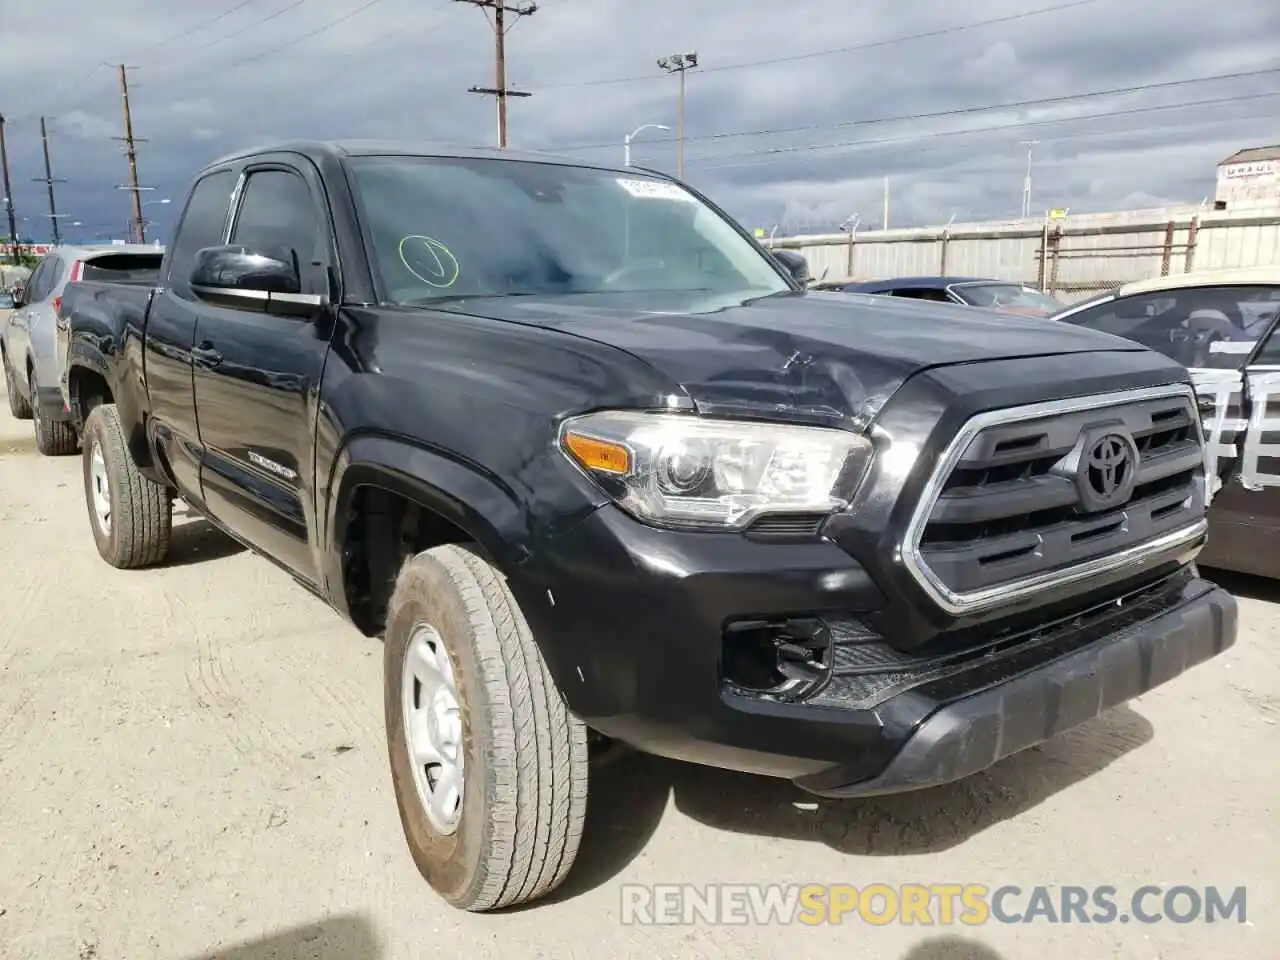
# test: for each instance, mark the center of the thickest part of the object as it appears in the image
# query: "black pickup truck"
(544, 424)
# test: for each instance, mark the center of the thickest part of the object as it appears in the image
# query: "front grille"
(1013, 506)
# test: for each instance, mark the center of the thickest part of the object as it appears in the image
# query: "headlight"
(690, 471)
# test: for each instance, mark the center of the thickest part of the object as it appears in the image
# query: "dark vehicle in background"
(1002, 295)
(599, 469)
(1223, 325)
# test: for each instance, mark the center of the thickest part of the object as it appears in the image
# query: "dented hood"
(833, 353)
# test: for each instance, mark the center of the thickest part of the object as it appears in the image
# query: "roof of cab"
(1203, 278)
(336, 149)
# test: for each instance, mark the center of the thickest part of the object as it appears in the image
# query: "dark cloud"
(401, 68)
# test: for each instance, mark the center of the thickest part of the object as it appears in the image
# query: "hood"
(824, 354)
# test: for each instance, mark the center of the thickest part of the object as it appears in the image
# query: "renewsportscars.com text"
(935, 904)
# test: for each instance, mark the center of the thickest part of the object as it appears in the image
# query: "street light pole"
(1026, 183)
(626, 141)
(679, 63)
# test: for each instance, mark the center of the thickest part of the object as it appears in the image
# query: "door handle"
(206, 355)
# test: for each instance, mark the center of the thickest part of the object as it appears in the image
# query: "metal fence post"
(1042, 257)
(1166, 256)
(1055, 252)
(1193, 234)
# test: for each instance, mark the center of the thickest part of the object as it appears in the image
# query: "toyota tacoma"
(600, 470)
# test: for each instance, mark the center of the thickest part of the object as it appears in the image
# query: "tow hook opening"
(785, 659)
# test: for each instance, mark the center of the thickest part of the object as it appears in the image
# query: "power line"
(200, 50)
(323, 28)
(204, 24)
(955, 112)
(1017, 125)
(794, 58)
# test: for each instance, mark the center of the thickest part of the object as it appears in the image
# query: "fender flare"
(459, 492)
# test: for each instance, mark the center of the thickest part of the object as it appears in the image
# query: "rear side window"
(202, 225)
(46, 279)
(123, 268)
(1202, 327)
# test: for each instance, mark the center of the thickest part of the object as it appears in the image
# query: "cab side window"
(202, 225)
(924, 293)
(277, 213)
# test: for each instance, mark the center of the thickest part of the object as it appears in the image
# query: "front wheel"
(489, 766)
(131, 515)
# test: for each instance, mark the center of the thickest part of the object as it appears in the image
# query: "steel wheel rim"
(433, 728)
(101, 492)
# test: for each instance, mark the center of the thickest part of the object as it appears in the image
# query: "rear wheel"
(489, 767)
(131, 516)
(18, 405)
(54, 438)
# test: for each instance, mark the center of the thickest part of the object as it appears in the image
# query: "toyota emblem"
(1108, 471)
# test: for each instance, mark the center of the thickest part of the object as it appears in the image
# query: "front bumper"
(632, 623)
(971, 734)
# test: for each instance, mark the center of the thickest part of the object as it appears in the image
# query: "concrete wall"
(1083, 254)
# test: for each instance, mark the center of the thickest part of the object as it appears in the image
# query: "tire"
(524, 756)
(136, 531)
(18, 405)
(54, 438)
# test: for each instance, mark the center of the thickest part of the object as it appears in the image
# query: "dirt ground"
(192, 764)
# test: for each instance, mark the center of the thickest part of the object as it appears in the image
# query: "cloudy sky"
(797, 113)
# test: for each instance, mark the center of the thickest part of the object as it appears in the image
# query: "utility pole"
(131, 151)
(8, 195)
(1026, 183)
(886, 204)
(500, 28)
(679, 63)
(49, 180)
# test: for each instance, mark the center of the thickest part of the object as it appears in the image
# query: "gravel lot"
(193, 765)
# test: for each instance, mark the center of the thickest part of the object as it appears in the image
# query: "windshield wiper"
(457, 297)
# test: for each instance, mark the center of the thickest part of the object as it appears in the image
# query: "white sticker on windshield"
(1232, 346)
(654, 190)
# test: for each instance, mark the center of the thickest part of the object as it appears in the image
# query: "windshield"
(1012, 295)
(457, 227)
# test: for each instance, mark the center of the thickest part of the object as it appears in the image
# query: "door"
(171, 332)
(257, 377)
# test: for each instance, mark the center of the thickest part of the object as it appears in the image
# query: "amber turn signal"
(598, 455)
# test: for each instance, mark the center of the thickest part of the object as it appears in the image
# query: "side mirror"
(795, 264)
(268, 281)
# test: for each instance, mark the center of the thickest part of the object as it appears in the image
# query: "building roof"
(1203, 278)
(1253, 155)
